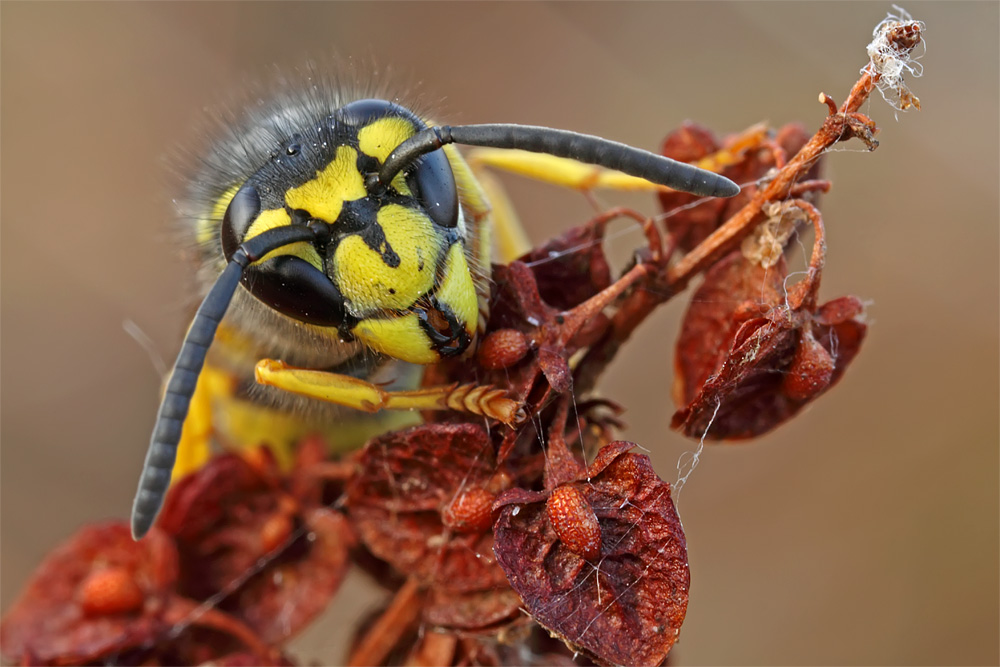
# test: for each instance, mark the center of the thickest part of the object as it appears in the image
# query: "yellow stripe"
(324, 196)
(457, 291)
(369, 283)
(278, 217)
(207, 229)
(399, 337)
(381, 137)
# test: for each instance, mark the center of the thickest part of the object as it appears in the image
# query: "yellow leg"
(496, 222)
(360, 395)
(510, 239)
(243, 422)
(556, 170)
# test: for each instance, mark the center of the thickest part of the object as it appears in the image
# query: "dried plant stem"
(727, 237)
(390, 627)
(435, 648)
(806, 292)
(861, 90)
(661, 285)
(838, 125)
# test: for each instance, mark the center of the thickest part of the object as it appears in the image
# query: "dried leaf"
(80, 605)
(234, 518)
(483, 610)
(739, 378)
(407, 482)
(627, 606)
(572, 267)
(734, 290)
(284, 597)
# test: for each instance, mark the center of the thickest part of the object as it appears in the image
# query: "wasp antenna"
(159, 464)
(563, 143)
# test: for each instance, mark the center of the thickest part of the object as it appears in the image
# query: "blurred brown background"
(864, 532)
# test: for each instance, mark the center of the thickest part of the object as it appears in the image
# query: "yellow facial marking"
(381, 137)
(207, 229)
(367, 278)
(336, 183)
(457, 291)
(399, 337)
(278, 217)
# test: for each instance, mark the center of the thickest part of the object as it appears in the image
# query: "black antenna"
(162, 452)
(561, 143)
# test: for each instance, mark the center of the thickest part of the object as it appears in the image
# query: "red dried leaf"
(572, 267)
(234, 517)
(734, 290)
(627, 606)
(407, 482)
(222, 516)
(740, 377)
(473, 611)
(289, 593)
(99, 594)
(555, 368)
(810, 372)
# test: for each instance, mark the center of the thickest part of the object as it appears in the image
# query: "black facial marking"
(356, 215)
(374, 238)
(363, 112)
(295, 287)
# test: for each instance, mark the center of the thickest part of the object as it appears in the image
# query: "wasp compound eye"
(434, 183)
(294, 287)
(240, 214)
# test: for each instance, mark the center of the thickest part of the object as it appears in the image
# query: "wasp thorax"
(392, 270)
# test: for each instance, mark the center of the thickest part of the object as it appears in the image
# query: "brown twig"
(805, 294)
(435, 648)
(390, 627)
(839, 125)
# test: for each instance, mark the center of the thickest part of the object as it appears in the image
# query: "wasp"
(343, 241)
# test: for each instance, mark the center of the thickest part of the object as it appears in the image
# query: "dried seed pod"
(110, 590)
(469, 511)
(502, 349)
(275, 532)
(811, 370)
(574, 521)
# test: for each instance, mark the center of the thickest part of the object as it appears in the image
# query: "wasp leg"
(509, 235)
(243, 423)
(494, 215)
(361, 395)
